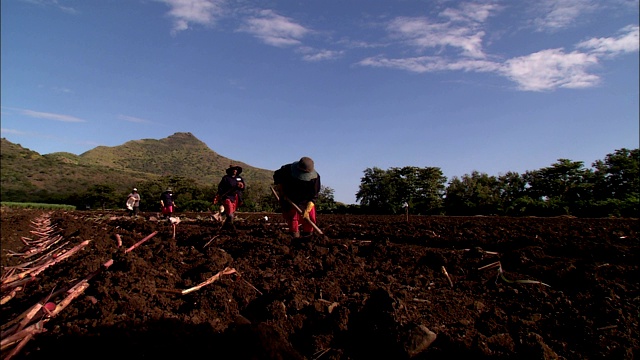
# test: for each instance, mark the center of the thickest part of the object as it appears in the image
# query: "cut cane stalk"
(141, 241)
(19, 347)
(253, 287)
(490, 266)
(74, 292)
(48, 309)
(19, 336)
(11, 295)
(45, 257)
(37, 270)
(226, 271)
(16, 284)
(209, 242)
(501, 275)
(28, 316)
(318, 354)
(444, 271)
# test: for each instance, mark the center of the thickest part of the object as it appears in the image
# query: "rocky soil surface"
(370, 287)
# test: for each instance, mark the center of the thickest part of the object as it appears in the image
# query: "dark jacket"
(166, 198)
(298, 191)
(228, 188)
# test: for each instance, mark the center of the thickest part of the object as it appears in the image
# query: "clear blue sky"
(491, 86)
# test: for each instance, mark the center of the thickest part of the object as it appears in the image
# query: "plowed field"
(373, 287)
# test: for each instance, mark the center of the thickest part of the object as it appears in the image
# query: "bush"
(196, 205)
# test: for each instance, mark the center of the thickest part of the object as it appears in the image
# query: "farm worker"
(229, 194)
(300, 183)
(167, 203)
(136, 205)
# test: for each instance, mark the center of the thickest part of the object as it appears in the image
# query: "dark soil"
(374, 287)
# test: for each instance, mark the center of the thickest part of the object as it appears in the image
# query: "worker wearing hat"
(300, 183)
(135, 208)
(229, 194)
(167, 204)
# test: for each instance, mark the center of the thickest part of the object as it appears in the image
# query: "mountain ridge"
(25, 171)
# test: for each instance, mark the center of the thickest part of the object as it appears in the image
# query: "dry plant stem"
(501, 275)
(320, 353)
(253, 287)
(490, 266)
(31, 330)
(11, 295)
(607, 327)
(45, 257)
(74, 292)
(9, 272)
(444, 271)
(19, 347)
(62, 257)
(226, 271)
(17, 283)
(29, 315)
(36, 270)
(209, 242)
(43, 246)
(172, 291)
(141, 241)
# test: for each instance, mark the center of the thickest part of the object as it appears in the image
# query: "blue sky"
(491, 86)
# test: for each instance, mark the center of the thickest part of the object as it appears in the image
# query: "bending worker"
(300, 183)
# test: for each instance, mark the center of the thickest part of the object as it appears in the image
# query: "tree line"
(610, 188)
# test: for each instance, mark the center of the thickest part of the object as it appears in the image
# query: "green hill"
(25, 173)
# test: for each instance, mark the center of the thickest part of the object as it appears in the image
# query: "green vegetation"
(610, 188)
(103, 177)
(37, 206)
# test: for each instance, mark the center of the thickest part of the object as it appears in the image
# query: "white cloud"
(550, 69)
(12, 131)
(62, 90)
(424, 64)
(313, 55)
(558, 14)
(274, 29)
(201, 12)
(53, 3)
(49, 116)
(133, 119)
(627, 42)
(470, 12)
(422, 34)
(462, 31)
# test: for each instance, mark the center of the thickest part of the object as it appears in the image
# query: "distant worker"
(133, 202)
(300, 183)
(167, 203)
(229, 194)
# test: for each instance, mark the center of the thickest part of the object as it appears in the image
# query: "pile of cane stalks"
(45, 249)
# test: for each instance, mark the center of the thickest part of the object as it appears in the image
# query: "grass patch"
(38, 206)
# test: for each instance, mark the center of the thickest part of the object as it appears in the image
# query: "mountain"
(25, 172)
